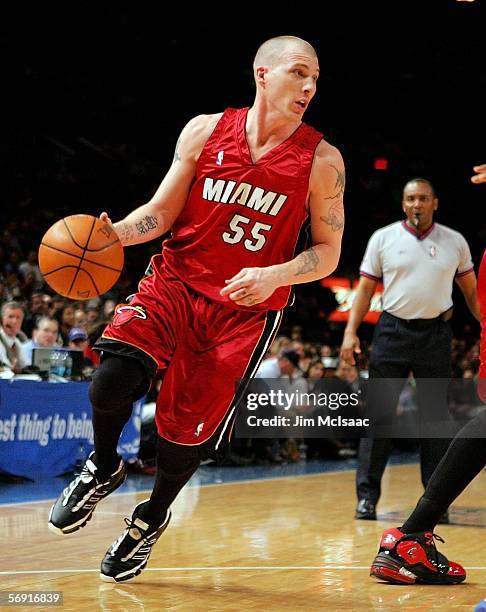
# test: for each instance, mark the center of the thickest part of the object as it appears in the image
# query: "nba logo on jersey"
(219, 158)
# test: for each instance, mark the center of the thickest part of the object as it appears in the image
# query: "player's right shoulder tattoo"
(177, 157)
(335, 214)
(338, 185)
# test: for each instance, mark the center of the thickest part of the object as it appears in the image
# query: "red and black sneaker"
(407, 558)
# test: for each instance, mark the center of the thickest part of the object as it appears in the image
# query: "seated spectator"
(296, 332)
(78, 339)
(314, 374)
(278, 345)
(38, 307)
(286, 364)
(30, 267)
(14, 286)
(108, 309)
(27, 284)
(80, 318)
(326, 351)
(44, 335)
(350, 374)
(56, 304)
(304, 358)
(12, 265)
(66, 322)
(5, 295)
(268, 368)
(11, 352)
(313, 350)
(93, 313)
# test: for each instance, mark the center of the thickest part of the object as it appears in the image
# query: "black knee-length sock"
(463, 461)
(175, 466)
(118, 382)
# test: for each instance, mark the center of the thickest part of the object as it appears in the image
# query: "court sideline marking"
(209, 484)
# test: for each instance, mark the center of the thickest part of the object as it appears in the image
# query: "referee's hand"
(349, 346)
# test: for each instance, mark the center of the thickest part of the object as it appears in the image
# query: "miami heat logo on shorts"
(125, 313)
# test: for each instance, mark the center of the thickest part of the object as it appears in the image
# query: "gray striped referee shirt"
(417, 272)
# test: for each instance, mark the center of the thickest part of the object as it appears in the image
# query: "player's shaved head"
(271, 50)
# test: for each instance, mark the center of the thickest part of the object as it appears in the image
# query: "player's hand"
(349, 346)
(480, 176)
(251, 286)
(106, 219)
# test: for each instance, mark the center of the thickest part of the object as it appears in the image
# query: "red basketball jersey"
(240, 213)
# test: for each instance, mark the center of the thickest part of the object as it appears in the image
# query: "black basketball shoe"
(75, 506)
(413, 558)
(129, 554)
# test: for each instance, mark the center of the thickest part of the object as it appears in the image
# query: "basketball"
(81, 257)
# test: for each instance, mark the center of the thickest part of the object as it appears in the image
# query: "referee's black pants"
(420, 346)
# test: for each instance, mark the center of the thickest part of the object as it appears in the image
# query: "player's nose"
(309, 85)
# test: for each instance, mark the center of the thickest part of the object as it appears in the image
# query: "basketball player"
(241, 189)
(408, 554)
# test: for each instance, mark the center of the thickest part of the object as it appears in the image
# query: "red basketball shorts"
(204, 349)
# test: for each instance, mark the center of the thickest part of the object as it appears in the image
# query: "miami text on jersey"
(245, 194)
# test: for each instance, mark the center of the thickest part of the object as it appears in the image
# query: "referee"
(417, 260)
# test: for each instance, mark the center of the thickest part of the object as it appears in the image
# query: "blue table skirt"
(46, 427)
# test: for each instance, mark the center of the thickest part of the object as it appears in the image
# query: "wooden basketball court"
(280, 544)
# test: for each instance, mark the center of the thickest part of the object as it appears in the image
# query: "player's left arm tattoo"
(125, 231)
(307, 261)
(335, 215)
(147, 224)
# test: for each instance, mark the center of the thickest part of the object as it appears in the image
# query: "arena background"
(94, 97)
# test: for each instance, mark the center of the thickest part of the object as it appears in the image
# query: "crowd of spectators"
(304, 364)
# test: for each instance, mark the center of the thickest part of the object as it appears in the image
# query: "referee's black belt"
(423, 323)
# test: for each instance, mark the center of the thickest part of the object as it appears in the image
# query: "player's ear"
(260, 74)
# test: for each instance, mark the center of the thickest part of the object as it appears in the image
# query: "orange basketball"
(81, 257)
